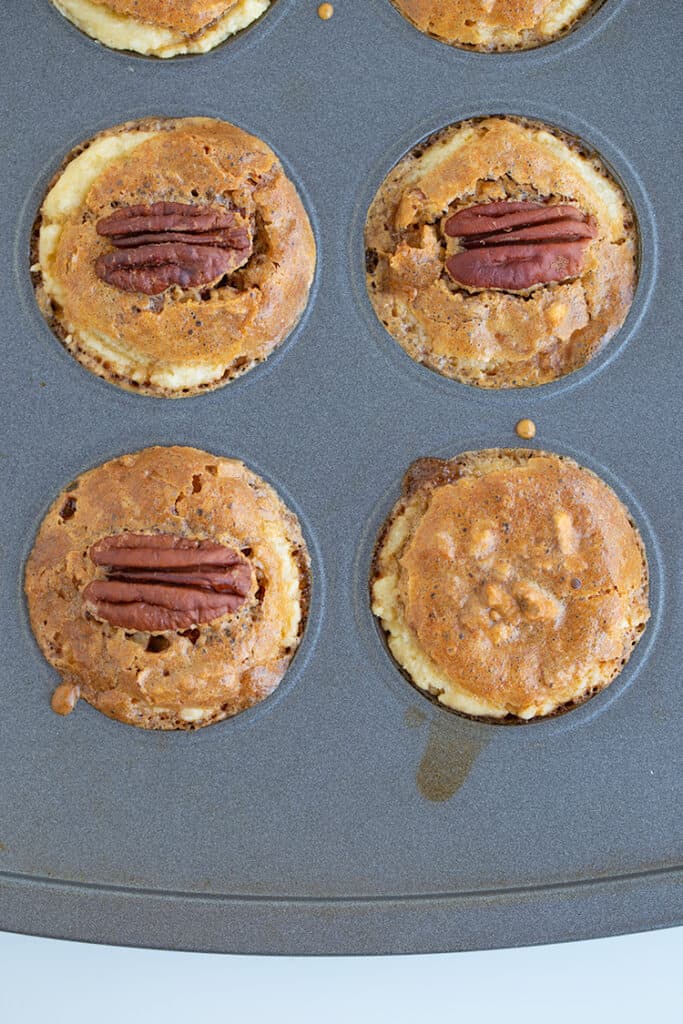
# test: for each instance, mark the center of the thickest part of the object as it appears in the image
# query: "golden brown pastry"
(491, 25)
(171, 256)
(169, 588)
(501, 254)
(162, 28)
(510, 583)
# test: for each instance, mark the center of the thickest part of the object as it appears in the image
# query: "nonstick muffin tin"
(347, 813)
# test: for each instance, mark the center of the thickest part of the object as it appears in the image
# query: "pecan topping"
(515, 246)
(163, 582)
(169, 244)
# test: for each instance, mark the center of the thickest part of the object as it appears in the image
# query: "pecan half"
(163, 582)
(516, 245)
(169, 244)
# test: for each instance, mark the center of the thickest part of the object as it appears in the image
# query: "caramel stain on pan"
(414, 717)
(447, 762)
(325, 11)
(526, 429)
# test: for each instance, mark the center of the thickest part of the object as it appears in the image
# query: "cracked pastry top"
(162, 28)
(171, 256)
(500, 253)
(510, 583)
(169, 588)
(494, 25)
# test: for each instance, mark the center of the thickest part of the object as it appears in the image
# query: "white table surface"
(635, 979)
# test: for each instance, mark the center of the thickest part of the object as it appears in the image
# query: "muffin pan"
(347, 813)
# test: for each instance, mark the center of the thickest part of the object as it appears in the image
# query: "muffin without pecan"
(511, 584)
(171, 256)
(495, 25)
(162, 28)
(169, 589)
(501, 253)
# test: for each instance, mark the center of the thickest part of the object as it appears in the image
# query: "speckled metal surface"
(324, 821)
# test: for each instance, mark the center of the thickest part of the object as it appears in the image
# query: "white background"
(635, 979)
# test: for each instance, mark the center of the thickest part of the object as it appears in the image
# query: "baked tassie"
(500, 253)
(510, 583)
(171, 256)
(491, 25)
(162, 28)
(169, 589)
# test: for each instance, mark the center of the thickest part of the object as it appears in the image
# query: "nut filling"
(172, 255)
(169, 588)
(495, 25)
(515, 246)
(501, 252)
(162, 28)
(168, 244)
(161, 582)
(510, 584)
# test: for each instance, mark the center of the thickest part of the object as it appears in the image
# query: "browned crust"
(260, 304)
(429, 474)
(455, 23)
(225, 666)
(190, 17)
(489, 337)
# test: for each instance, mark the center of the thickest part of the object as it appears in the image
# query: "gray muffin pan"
(346, 814)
